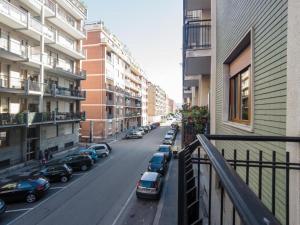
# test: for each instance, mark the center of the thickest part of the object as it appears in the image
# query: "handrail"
(250, 208)
(225, 137)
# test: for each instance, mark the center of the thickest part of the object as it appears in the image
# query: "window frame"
(238, 114)
(7, 139)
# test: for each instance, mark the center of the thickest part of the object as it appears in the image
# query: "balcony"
(109, 116)
(64, 69)
(76, 8)
(12, 120)
(34, 118)
(62, 92)
(66, 22)
(192, 5)
(12, 15)
(197, 34)
(110, 102)
(19, 86)
(67, 45)
(36, 6)
(213, 190)
(132, 114)
(11, 49)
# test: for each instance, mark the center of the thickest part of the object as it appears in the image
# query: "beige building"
(40, 76)
(157, 108)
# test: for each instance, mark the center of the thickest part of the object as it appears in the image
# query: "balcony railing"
(197, 34)
(53, 117)
(7, 119)
(110, 102)
(50, 5)
(35, 24)
(62, 65)
(13, 46)
(67, 92)
(201, 194)
(13, 12)
(110, 116)
(78, 5)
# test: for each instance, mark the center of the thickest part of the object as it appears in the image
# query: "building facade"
(196, 52)
(157, 107)
(40, 76)
(254, 90)
(115, 85)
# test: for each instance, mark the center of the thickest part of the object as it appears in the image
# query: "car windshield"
(167, 138)
(147, 184)
(156, 159)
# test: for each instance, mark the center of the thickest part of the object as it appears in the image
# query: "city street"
(104, 195)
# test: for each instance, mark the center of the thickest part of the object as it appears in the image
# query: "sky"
(152, 30)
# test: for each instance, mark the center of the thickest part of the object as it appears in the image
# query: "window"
(239, 97)
(3, 139)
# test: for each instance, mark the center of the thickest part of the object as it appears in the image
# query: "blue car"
(158, 163)
(91, 152)
(166, 149)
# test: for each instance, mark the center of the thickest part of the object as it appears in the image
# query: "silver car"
(149, 186)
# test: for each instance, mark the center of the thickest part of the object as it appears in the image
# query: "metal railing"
(8, 119)
(79, 6)
(198, 194)
(13, 46)
(13, 12)
(197, 34)
(62, 91)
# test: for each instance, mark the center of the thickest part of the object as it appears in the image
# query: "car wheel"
(104, 155)
(84, 168)
(64, 179)
(30, 198)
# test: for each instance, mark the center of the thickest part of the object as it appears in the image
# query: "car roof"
(164, 146)
(159, 154)
(95, 145)
(149, 176)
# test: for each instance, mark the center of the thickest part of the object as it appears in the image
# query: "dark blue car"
(158, 163)
(166, 149)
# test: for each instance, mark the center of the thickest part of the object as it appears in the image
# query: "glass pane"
(245, 80)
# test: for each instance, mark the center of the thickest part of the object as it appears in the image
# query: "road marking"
(51, 196)
(162, 201)
(124, 207)
(53, 188)
(17, 210)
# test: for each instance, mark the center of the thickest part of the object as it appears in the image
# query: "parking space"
(16, 210)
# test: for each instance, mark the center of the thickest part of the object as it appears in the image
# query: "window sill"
(240, 126)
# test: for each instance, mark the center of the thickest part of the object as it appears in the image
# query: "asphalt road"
(104, 195)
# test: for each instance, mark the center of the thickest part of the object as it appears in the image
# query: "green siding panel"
(269, 22)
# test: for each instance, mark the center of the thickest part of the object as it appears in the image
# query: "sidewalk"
(167, 208)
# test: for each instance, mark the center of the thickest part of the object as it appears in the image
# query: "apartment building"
(144, 93)
(40, 75)
(196, 52)
(170, 105)
(254, 91)
(114, 85)
(157, 108)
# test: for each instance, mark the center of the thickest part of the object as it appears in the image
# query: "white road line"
(51, 196)
(53, 188)
(162, 200)
(17, 210)
(124, 207)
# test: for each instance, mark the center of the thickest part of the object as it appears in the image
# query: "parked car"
(2, 207)
(141, 129)
(146, 129)
(167, 150)
(91, 152)
(158, 163)
(56, 173)
(149, 186)
(172, 133)
(153, 126)
(101, 150)
(168, 140)
(107, 145)
(75, 161)
(133, 134)
(27, 189)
